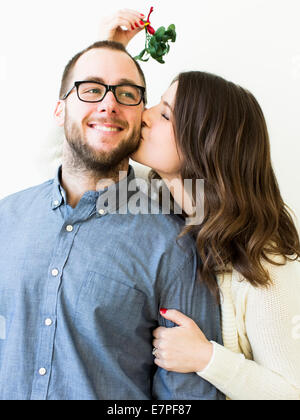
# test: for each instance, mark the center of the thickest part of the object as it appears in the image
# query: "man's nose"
(109, 104)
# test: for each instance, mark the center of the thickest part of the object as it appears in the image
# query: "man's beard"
(85, 158)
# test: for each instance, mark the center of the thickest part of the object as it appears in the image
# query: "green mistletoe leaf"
(160, 60)
(160, 33)
(152, 51)
(141, 54)
(153, 42)
(171, 28)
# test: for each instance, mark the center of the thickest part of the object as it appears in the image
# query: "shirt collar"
(57, 196)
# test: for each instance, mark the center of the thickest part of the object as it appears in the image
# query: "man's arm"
(182, 290)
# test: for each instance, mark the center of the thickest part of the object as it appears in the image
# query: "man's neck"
(77, 181)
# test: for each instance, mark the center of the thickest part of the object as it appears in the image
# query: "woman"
(208, 128)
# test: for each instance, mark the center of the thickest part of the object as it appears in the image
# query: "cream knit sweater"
(260, 359)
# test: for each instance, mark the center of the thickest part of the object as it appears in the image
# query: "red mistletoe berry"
(150, 30)
(151, 11)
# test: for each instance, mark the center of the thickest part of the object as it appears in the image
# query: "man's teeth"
(107, 129)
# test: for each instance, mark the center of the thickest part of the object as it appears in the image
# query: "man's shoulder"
(25, 196)
(166, 227)
(164, 215)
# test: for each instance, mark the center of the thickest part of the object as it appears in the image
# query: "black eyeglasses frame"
(108, 88)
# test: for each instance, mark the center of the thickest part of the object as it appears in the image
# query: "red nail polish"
(132, 27)
(142, 23)
(163, 311)
(136, 25)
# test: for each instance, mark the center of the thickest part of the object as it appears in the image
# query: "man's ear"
(59, 113)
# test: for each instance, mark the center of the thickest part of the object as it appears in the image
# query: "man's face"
(103, 134)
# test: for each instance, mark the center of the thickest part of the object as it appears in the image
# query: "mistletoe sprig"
(157, 42)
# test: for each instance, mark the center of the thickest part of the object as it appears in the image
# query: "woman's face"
(158, 146)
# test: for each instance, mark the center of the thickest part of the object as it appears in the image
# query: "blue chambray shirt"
(80, 294)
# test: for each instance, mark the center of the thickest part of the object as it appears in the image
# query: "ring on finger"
(154, 352)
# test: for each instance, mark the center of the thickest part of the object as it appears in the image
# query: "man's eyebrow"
(128, 82)
(93, 79)
(100, 80)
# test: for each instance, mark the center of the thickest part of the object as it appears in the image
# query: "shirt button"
(48, 322)
(55, 272)
(42, 371)
(69, 228)
(101, 212)
(55, 203)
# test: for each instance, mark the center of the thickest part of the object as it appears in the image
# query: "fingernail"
(136, 25)
(163, 311)
(142, 14)
(132, 27)
(142, 23)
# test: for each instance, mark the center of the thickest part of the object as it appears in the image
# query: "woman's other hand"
(122, 26)
(182, 349)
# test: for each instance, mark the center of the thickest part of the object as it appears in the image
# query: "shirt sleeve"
(183, 291)
(273, 329)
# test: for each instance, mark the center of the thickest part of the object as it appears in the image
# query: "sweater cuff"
(223, 366)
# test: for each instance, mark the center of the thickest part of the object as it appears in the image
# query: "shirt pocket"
(108, 311)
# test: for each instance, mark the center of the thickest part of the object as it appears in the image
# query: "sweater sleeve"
(272, 323)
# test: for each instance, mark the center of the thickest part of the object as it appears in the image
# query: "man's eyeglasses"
(92, 92)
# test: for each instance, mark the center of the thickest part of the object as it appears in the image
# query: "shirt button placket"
(47, 339)
(49, 324)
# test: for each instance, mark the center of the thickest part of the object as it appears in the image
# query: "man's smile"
(107, 128)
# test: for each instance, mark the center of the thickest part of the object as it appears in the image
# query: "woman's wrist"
(206, 356)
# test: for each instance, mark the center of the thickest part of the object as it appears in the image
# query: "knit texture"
(260, 359)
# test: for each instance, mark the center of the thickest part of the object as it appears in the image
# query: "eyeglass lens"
(95, 92)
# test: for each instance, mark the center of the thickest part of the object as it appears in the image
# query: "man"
(81, 287)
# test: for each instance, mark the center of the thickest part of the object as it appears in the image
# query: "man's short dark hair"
(111, 45)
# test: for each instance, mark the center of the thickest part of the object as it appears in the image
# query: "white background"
(255, 43)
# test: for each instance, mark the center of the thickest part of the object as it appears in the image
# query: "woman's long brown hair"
(222, 134)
